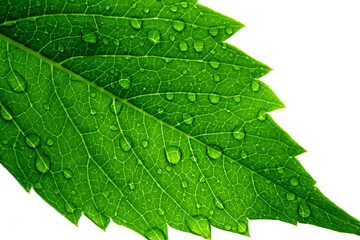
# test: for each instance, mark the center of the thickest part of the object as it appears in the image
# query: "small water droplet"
(67, 173)
(170, 96)
(192, 97)
(154, 36)
(146, 10)
(108, 8)
(155, 234)
(160, 110)
(168, 168)
(69, 209)
(173, 154)
(229, 30)
(136, 23)
(214, 32)
(242, 227)
(184, 4)
(161, 211)
(32, 140)
(38, 3)
(116, 42)
(244, 154)
(188, 119)
(42, 163)
(184, 183)
(16, 82)
(6, 114)
(114, 128)
(214, 98)
(115, 107)
(93, 112)
(145, 143)
(294, 181)
(124, 80)
(178, 25)
(262, 115)
(174, 8)
(212, 153)
(290, 196)
(199, 225)
(216, 78)
(132, 185)
(214, 63)
(255, 86)
(280, 170)
(227, 227)
(105, 41)
(194, 159)
(92, 94)
(159, 171)
(304, 210)
(218, 203)
(50, 142)
(61, 48)
(89, 36)
(238, 133)
(183, 46)
(202, 179)
(56, 191)
(126, 143)
(237, 99)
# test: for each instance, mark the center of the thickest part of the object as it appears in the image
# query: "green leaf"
(138, 112)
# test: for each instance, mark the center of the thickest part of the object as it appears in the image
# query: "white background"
(314, 47)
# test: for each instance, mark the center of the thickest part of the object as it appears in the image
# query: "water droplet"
(202, 179)
(184, 183)
(17, 82)
(61, 48)
(192, 97)
(159, 171)
(188, 118)
(160, 110)
(32, 140)
(212, 153)
(155, 234)
(244, 154)
(216, 78)
(214, 98)
(115, 107)
(126, 143)
(114, 128)
(161, 211)
(92, 94)
(154, 36)
(105, 41)
(67, 173)
(56, 191)
(227, 227)
(290, 196)
(108, 8)
(294, 181)
(93, 111)
(173, 154)
(168, 168)
(42, 163)
(69, 209)
(199, 45)
(304, 210)
(146, 10)
(237, 99)
(116, 42)
(218, 203)
(183, 46)
(89, 36)
(38, 3)
(170, 96)
(136, 23)
(229, 30)
(242, 227)
(50, 142)
(214, 63)
(174, 8)
(214, 32)
(238, 133)
(184, 4)
(280, 170)
(194, 159)
(199, 225)
(6, 114)
(178, 25)
(132, 185)
(255, 86)
(145, 143)
(124, 80)
(262, 115)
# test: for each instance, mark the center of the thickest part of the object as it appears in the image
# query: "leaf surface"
(137, 111)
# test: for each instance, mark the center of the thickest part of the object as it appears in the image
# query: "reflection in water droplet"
(294, 181)
(304, 210)
(214, 63)
(199, 225)
(32, 140)
(16, 82)
(6, 114)
(115, 107)
(242, 227)
(212, 153)
(89, 36)
(214, 98)
(199, 45)
(238, 133)
(170, 96)
(42, 163)
(154, 36)
(135, 23)
(173, 154)
(178, 25)
(188, 119)
(67, 173)
(262, 115)
(192, 97)
(155, 234)
(214, 32)
(126, 143)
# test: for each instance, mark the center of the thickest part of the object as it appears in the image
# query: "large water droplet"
(124, 80)
(67, 173)
(199, 225)
(294, 181)
(89, 36)
(6, 114)
(214, 32)
(126, 143)
(238, 133)
(155, 234)
(154, 36)
(115, 107)
(199, 45)
(214, 98)
(178, 25)
(304, 210)
(255, 86)
(214, 63)
(136, 23)
(188, 118)
(242, 227)
(192, 97)
(218, 203)
(173, 154)
(212, 153)
(262, 115)
(17, 82)
(32, 140)
(42, 163)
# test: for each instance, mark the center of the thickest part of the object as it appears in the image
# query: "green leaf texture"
(137, 111)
